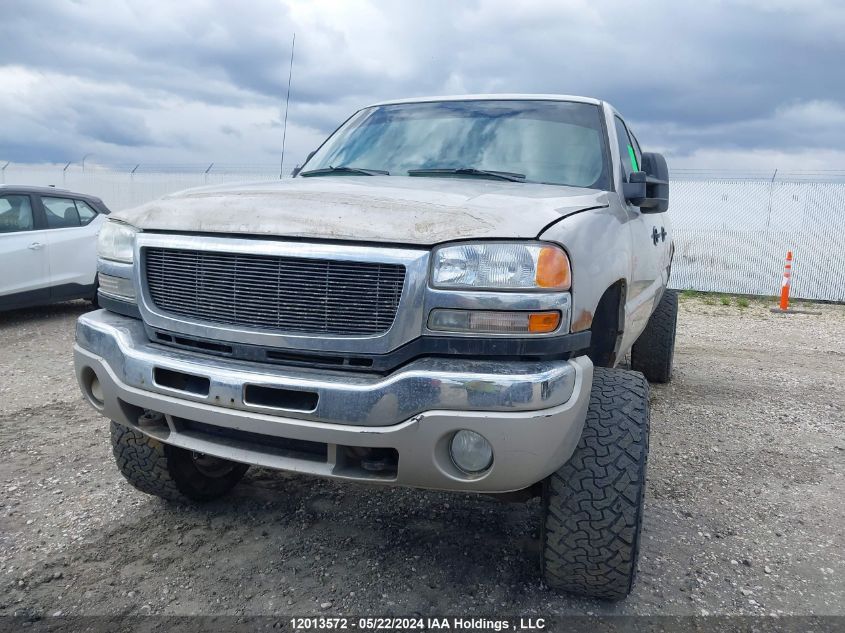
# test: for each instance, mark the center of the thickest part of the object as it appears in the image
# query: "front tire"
(169, 472)
(654, 351)
(593, 505)
(94, 299)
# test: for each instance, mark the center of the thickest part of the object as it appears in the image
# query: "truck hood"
(395, 209)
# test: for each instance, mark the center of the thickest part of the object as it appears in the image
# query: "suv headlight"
(501, 266)
(116, 241)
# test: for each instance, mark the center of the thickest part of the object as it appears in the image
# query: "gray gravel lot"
(745, 510)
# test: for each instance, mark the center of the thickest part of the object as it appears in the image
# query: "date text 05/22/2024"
(388, 624)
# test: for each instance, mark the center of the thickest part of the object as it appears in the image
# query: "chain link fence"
(126, 186)
(732, 230)
(732, 233)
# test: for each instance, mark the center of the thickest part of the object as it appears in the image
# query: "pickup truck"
(441, 297)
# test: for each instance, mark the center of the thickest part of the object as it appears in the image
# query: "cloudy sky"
(745, 84)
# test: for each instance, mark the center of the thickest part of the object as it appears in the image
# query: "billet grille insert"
(278, 293)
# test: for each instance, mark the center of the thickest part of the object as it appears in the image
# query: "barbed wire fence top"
(732, 228)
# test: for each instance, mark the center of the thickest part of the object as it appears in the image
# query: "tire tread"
(142, 460)
(593, 503)
(653, 352)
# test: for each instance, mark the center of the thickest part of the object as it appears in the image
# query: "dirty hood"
(395, 209)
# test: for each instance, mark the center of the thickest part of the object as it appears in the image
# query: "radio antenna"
(287, 104)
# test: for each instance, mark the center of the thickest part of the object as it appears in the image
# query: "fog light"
(470, 452)
(96, 390)
(92, 388)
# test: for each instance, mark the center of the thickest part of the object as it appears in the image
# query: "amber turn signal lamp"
(553, 269)
(543, 322)
(493, 322)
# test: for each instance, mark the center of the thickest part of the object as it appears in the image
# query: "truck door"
(649, 240)
(658, 219)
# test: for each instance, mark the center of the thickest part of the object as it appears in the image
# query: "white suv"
(48, 245)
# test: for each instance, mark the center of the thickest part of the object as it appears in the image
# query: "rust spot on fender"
(583, 322)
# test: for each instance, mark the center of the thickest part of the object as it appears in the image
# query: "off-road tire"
(653, 352)
(593, 505)
(167, 471)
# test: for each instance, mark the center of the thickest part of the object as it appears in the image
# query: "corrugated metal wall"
(732, 231)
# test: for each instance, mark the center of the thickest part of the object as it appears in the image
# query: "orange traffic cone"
(787, 280)
(783, 308)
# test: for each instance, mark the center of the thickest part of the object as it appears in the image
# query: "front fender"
(599, 247)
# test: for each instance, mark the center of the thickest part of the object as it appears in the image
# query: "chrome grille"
(286, 294)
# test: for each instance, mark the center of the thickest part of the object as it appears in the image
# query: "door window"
(15, 214)
(63, 213)
(86, 213)
(637, 151)
(628, 155)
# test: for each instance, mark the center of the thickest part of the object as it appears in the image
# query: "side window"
(637, 150)
(86, 213)
(627, 154)
(61, 213)
(15, 214)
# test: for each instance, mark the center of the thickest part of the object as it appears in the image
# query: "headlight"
(501, 266)
(117, 241)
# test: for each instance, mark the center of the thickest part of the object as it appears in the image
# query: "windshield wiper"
(344, 169)
(468, 171)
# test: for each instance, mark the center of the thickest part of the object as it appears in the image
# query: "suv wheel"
(653, 352)
(593, 505)
(169, 472)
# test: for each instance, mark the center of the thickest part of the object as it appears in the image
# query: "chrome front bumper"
(531, 412)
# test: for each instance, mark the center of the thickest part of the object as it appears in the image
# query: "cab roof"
(493, 97)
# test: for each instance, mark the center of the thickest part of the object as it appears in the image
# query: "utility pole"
(287, 104)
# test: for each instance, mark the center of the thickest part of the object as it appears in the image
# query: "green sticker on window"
(633, 156)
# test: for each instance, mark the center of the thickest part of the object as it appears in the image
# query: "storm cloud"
(743, 84)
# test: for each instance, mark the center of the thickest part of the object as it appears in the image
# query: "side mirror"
(635, 189)
(295, 171)
(657, 184)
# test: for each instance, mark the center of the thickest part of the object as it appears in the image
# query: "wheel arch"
(608, 325)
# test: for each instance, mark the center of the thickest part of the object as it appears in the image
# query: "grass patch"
(740, 301)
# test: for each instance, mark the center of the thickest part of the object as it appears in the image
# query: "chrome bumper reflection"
(332, 396)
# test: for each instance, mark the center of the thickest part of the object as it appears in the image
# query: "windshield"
(556, 142)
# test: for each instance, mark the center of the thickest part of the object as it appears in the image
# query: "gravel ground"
(745, 509)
